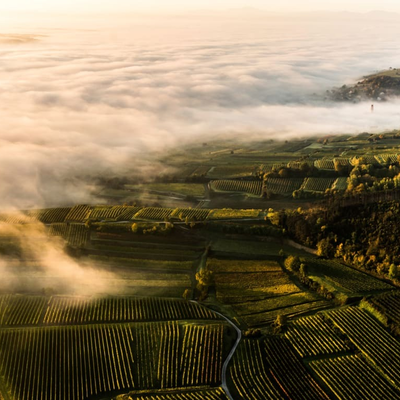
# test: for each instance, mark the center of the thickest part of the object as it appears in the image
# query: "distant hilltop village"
(379, 87)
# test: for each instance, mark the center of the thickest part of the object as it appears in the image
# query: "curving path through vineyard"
(231, 353)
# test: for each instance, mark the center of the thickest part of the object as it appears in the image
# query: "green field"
(343, 279)
(185, 189)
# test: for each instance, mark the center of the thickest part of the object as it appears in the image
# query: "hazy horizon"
(161, 6)
(86, 97)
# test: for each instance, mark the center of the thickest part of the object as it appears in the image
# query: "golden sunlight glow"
(96, 6)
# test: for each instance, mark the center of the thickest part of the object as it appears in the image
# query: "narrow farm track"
(230, 355)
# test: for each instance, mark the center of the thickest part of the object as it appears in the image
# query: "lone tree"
(393, 272)
(187, 294)
(324, 248)
(303, 270)
(204, 279)
(292, 263)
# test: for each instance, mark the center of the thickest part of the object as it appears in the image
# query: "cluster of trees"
(365, 236)
(303, 171)
(367, 177)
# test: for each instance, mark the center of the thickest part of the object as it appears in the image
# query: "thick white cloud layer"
(76, 102)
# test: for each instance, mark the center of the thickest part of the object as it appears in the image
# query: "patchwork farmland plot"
(128, 213)
(77, 235)
(272, 166)
(78, 213)
(282, 185)
(246, 187)
(227, 213)
(78, 310)
(327, 164)
(209, 394)
(351, 377)
(374, 342)
(249, 375)
(110, 213)
(175, 189)
(317, 184)
(386, 158)
(366, 159)
(200, 171)
(266, 318)
(344, 278)
(340, 184)
(342, 161)
(388, 304)
(229, 266)
(53, 215)
(290, 373)
(21, 310)
(153, 213)
(140, 264)
(259, 291)
(313, 336)
(81, 361)
(232, 171)
(194, 214)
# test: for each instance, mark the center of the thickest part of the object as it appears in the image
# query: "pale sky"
(157, 6)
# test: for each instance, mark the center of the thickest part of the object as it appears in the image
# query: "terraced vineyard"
(247, 187)
(17, 218)
(345, 278)
(374, 342)
(111, 213)
(76, 310)
(21, 310)
(351, 377)
(313, 336)
(46, 216)
(249, 375)
(209, 394)
(53, 215)
(299, 164)
(140, 264)
(292, 309)
(365, 159)
(201, 364)
(234, 287)
(259, 291)
(290, 373)
(154, 213)
(386, 158)
(342, 161)
(128, 213)
(78, 235)
(227, 213)
(202, 170)
(229, 266)
(388, 304)
(193, 214)
(282, 185)
(58, 229)
(272, 167)
(234, 171)
(340, 184)
(78, 213)
(81, 361)
(54, 365)
(317, 184)
(327, 164)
